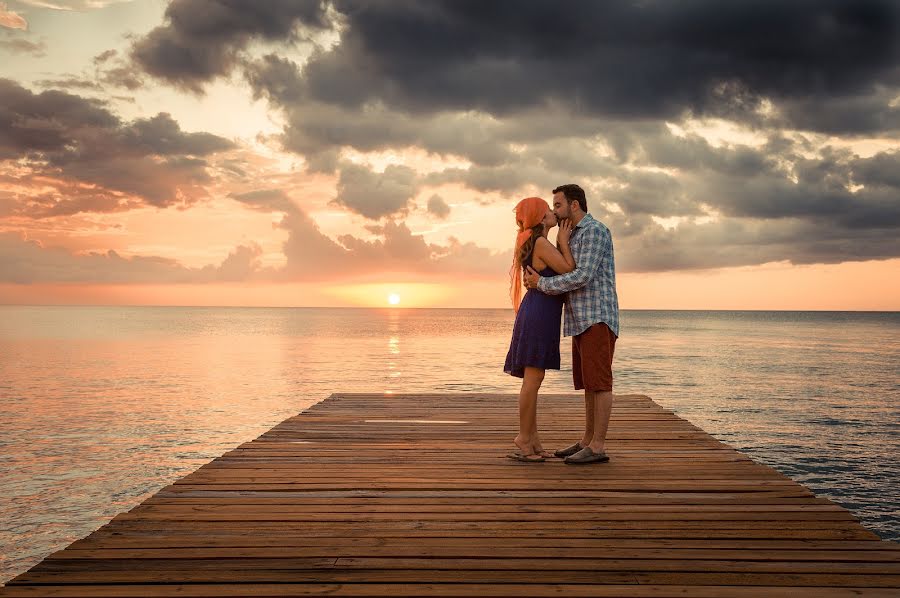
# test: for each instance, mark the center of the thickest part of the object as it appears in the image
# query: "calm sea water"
(103, 406)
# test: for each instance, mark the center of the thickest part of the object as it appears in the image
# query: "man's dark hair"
(573, 193)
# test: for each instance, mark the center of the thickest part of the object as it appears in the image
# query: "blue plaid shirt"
(591, 286)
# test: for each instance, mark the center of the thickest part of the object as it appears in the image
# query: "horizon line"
(397, 307)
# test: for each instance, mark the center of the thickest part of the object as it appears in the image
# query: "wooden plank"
(401, 495)
(511, 590)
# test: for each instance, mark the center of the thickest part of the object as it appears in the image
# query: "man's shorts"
(592, 355)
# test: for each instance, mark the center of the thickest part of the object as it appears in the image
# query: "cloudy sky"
(196, 152)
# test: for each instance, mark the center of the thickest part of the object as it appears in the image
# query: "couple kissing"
(577, 275)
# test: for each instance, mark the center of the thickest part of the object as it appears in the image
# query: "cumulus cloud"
(313, 256)
(375, 194)
(68, 140)
(202, 39)
(241, 264)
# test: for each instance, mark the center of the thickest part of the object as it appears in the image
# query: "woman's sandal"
(530, 458)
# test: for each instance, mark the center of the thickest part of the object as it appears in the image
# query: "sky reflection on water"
(103, 406)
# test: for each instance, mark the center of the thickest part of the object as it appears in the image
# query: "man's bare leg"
(590, 412)
(602, 409)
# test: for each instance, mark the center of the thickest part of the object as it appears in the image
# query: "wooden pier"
(411, 495)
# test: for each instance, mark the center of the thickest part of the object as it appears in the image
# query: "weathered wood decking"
(373, 495)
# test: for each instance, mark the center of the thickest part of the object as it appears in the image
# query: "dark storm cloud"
(654, 193)
(647, 59)
(70, 139)
(772, 199)
(65, 126)
(163, 136)
(845, 115)
(776, 180)
(657, 146)
(317, 129)
(202, 39)
(646, 246)
(46, 121)
(882, 169)
(823, 61)
(610, 74)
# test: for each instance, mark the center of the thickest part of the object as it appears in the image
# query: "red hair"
(529, 213)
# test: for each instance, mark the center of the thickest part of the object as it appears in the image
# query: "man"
(591, 318)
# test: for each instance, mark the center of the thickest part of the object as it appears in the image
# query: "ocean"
(102, 406)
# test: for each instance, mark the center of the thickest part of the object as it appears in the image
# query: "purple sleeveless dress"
(535, 337)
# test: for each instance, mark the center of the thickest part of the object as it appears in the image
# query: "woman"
(535, 339)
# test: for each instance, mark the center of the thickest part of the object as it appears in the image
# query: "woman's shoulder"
(542, 243)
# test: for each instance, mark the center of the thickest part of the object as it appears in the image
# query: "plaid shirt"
(591, 286)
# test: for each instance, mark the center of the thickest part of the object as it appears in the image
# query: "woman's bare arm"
(559, 259)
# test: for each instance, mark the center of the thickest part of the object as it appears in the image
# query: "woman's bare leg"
(536, 445)
(531, 384)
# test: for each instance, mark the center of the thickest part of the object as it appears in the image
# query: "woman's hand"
(565, 231)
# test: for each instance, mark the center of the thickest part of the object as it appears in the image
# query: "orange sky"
(769, 287)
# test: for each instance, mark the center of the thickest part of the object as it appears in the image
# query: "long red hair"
(529, 213)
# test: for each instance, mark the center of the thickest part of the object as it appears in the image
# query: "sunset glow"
(250, 177)
(381, 294)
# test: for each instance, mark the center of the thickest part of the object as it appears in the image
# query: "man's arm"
(594, 245)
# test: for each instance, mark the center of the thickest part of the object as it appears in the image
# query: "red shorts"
(592, 355)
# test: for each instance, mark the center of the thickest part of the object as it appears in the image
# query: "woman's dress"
(535, 336)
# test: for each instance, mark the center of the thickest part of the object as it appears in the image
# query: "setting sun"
(394, 299)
